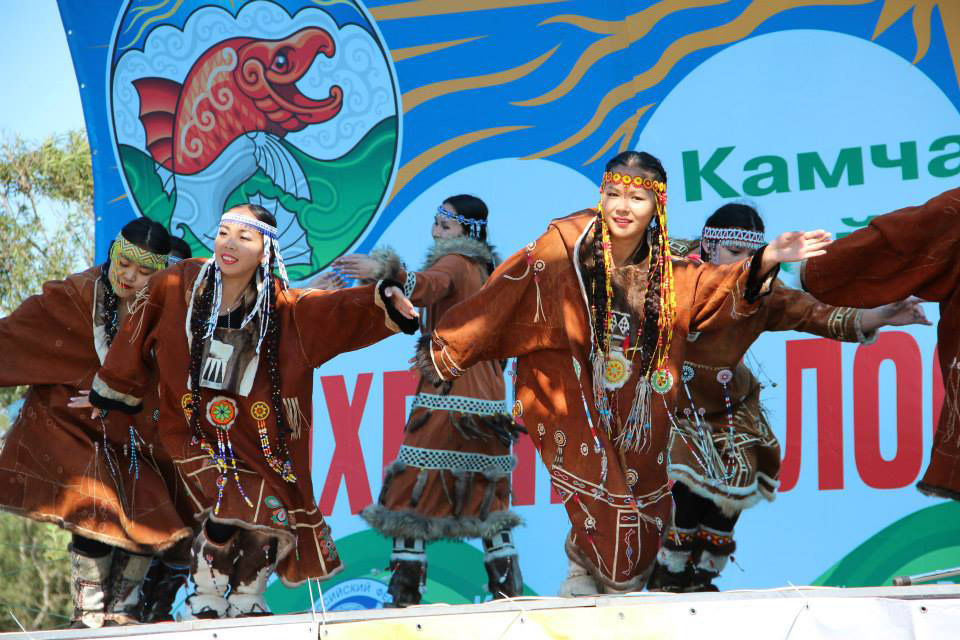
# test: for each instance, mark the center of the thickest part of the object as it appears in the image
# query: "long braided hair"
(146, 234)
(659, 276)
(198, 326)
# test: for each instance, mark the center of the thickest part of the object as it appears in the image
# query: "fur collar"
(464, 246)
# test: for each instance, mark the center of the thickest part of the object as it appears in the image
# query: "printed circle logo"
(281, 103)
(356, 594)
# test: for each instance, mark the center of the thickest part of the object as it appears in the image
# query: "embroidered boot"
(715, 549)
(210, 569)
(673, 571)
(502, 563)
(91, 579)
(256, 560)
(408, 561)
(126, 578)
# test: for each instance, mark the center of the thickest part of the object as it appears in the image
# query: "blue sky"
(41, 96)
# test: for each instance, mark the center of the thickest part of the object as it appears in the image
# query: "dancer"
(723, 454)
(97, 478)
(598, 313)
(234, 350)
(451, 478)
(910, 252)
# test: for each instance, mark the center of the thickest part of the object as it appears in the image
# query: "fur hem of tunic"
(286, 540)
(121, 543)
(937, 492)
(462, 246)
(731, 500)
(635, 584)
(423, 362)
(409, 524)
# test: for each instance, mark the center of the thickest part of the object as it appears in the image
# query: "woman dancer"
(723, 455)
(598, 312)
(97, 478)
(234, 350)
(451, 478)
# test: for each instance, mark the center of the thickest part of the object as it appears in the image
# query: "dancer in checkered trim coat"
(451, 478)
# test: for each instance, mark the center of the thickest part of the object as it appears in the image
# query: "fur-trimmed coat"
(910, 252)
(314, 327)
(58, 465)
(535, 307)
(451, 478)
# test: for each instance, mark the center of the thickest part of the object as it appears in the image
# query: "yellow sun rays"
(922, 17)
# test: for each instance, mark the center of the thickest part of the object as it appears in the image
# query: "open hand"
(328, 281)
(82, 401)
(794, 246)
(903, 313)
(357, 265)
(401, 302)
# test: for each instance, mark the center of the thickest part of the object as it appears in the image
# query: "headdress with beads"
(472, 225)
(732, 237)
(271, 246)
(656, 374)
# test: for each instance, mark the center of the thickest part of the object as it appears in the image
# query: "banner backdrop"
(353, 121)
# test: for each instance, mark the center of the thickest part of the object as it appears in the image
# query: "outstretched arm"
(791, 309)
(329, 323)
(48, 339)
(510, 316)
(912, 251)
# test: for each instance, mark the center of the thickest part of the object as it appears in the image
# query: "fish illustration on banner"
(290, 106)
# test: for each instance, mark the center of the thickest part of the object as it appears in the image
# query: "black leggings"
(693, 510)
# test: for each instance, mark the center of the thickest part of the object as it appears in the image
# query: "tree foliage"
(47, 226)
(46, 217)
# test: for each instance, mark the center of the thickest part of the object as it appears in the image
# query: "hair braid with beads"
(272, 344)
(650, 334)
(111, 304)
(198, 326)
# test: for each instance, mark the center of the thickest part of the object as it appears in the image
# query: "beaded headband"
(130, 251)
(472, 223)
(635, 181)
(732, 237)
(264, 228)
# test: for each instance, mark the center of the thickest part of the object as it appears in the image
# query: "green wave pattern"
(926, 540)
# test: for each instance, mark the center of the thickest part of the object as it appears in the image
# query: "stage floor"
(929, 611)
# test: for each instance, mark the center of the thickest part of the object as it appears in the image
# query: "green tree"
(47, 226)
